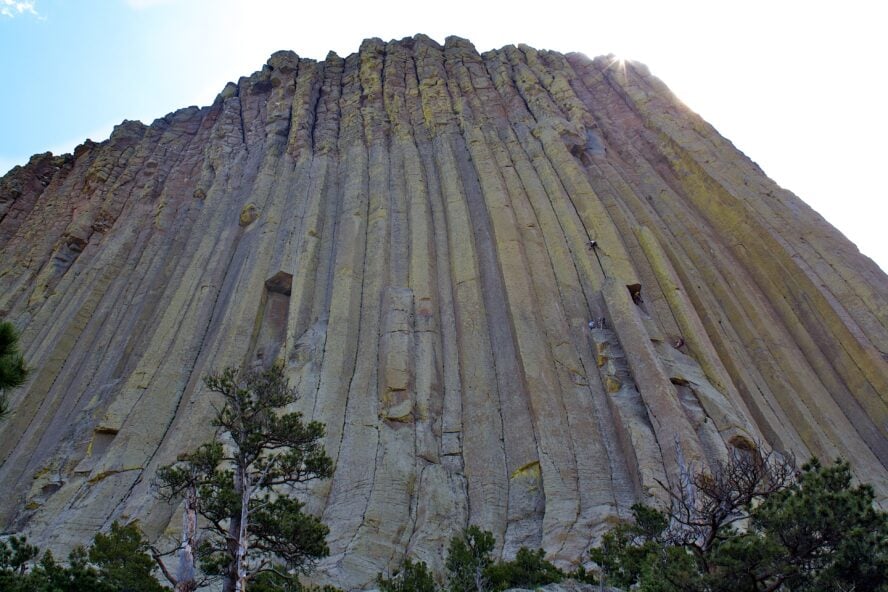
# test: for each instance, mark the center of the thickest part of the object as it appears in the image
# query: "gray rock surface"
(408, 229)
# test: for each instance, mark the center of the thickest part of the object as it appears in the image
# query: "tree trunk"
(480, 584)
(246, 492)
(185, 581)
(231, 578)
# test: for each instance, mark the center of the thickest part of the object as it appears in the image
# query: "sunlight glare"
(618, 64)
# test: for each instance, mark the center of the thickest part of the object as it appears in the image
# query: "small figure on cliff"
(679, 343)
(593, 246)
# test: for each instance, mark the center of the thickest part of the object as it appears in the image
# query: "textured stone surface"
(408, 228)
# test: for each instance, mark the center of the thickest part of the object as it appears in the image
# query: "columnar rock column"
(522, 289)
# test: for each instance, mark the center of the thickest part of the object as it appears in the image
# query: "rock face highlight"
(518, 287)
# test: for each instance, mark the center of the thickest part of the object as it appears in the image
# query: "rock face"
(518, 287)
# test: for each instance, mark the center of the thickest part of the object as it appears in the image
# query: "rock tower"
(518, 287)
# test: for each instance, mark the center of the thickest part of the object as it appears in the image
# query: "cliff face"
(409, 229)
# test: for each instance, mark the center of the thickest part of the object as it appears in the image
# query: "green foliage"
(275, 580)
(16, 554)
(266, 452)
(77, 576)
(21, 571)
(13, 371)
(122, 558)
(528, 570)
(116, 562)
(16, 559)
(812, 533)
(826, 533)
(324, 588)
(626, 549)
(272, 582)
(582, 575)
(468, 560)
(470, 568)
(413, 577)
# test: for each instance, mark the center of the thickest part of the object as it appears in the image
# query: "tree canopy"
(117, 561)
(471, 568)
(242, 483)
(754, 524)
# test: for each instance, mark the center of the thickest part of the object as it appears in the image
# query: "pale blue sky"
(799, 86)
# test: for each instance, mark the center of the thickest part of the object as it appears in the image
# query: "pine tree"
(116, 562)
(13, 371)
(411, 577)
(241, 483)
(754, 524)
(122, 559)
(469, 559)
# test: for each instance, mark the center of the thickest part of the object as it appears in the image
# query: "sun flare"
(619, 64)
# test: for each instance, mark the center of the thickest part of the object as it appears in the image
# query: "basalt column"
(521, 288)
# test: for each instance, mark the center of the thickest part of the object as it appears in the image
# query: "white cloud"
(13, 8)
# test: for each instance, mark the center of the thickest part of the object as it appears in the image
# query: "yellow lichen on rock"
(249, 214)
